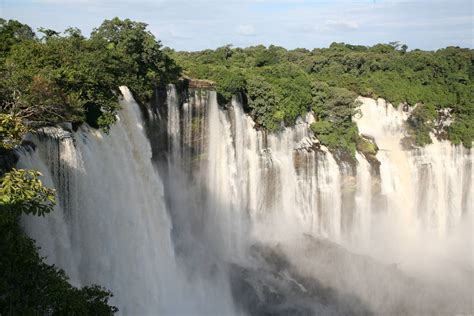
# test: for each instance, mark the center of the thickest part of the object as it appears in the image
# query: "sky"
(201, 24)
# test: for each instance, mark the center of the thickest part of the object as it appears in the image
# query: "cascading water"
(426, 218)
(184, 240)
(112, 226)
(105, 184)
(278, 187)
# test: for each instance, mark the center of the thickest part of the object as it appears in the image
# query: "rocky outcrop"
(193, 83)
(275, 287)
(367, 146)
(320, 277)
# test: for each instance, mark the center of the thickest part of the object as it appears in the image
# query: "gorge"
(188, 207)
(260, 180)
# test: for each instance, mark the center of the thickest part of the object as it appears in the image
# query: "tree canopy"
(433, 80)
(67, 77)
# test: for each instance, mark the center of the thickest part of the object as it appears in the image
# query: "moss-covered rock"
(368, 148)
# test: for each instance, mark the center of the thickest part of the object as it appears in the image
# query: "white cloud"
(246, 30)
(168, 31)
(342, 25)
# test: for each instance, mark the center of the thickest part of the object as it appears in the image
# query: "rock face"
(198, 83)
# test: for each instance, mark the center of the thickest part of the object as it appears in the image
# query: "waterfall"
(111, 226)
(275, 187)
(426, 188)
(425, 207)
(363, 201)
(167, 234)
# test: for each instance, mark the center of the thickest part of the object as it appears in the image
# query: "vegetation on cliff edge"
(280, 84)
(67, 77)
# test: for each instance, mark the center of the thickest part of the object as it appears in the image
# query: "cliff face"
(187, 208)
(190, 83)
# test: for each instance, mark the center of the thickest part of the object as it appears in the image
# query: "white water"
(426, 224)
(228, 186)
(113, 229)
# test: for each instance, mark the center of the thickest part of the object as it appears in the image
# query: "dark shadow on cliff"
(273, 286)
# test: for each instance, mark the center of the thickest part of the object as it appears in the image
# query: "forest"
(50, 77)
(283, 84)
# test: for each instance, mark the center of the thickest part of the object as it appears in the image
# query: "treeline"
(45, 79)
(284, 84)
(56, 77)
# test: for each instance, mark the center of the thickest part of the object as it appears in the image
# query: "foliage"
(333, 103)
(438, 79)
(143, 64)
(461, 130)
(231, 82)
(22, 192)
(29, 286)
(366, 147)
(336, 137)
(334, 108)
(263, 103)
(55, 80)
(11, 33)
(67, 77)
(12, 131)
(421, 122)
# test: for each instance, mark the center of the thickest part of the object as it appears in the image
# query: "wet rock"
(274, 287)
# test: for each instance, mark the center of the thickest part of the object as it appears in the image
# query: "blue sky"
(200, 24)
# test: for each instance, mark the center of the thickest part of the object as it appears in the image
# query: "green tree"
(334, 108)
(263, 103)
(143, 65)
(22, 192)
(12, 131)
(13, 32)
(71, 78)
(422, 121)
